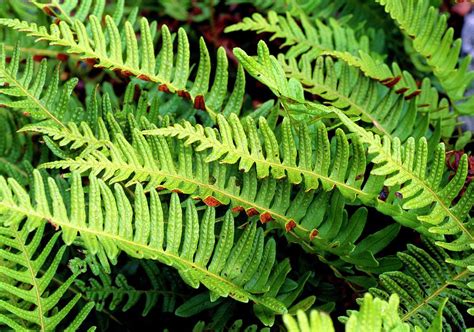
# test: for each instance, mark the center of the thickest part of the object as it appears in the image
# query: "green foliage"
(195, 201)
(434, 41)
(29, 300)
(374, 315)
(424, 285)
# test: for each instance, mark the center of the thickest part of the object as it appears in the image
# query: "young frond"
(107, 222)
(104, 47)
(29, 300)
(424, 284)
(433, 40)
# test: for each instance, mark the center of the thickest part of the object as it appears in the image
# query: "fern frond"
(317, 321)
(423, 285)
(110, 223)
(170, 72)
(374, 315)
(315, 39)
(365, 97)
(433, 40)
(27, 278)
(423, 188)
(311, 217)
(118, 294)
(21, 91)
(347, 88)
(70, 10)
(76, 137)
(311, 38)
(316, 161)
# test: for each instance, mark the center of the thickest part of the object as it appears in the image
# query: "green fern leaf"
(313, 38)
(24, 93)
(422, 187)
(432, 39)
(143, 233)
(105, 48)
(26, 279)
(374, 315)
(423, 285)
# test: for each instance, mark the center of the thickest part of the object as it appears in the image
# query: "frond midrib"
(438, 291)
(129, 243)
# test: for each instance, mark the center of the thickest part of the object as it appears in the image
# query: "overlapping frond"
(310, 217)
(104, 47)
(423, 187)
(107, 222)
(29, 301)
(423, 286)
(403, 112)
(313, 39)
(434, 41)
(303, 155)
(347, 88)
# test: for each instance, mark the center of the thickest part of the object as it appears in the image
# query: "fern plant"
(140, 173)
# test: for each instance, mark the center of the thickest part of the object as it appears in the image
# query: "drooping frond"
(434, 41)
(105, 47)
(423, 285)
(29, 301)
(374, 315)
(423, 187)
(107, 222)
